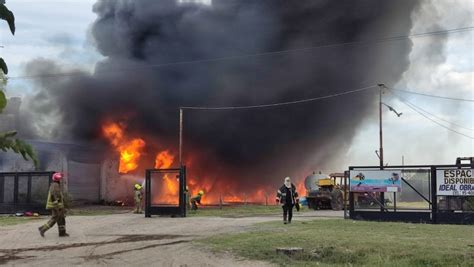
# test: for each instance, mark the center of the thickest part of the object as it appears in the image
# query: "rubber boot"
(63, 234)
(41, 231)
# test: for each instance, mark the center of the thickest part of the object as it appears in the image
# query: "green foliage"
(3, 66)
(3, 101)
(7, 15)
(7, 139)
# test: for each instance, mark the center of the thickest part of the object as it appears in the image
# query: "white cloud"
(37, 24)
(418, 139)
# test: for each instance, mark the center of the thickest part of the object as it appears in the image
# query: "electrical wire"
(281, 103)
(434, 96)
(417, 110)
(441, 119)
(375, 41)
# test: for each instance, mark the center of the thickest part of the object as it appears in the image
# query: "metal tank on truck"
(323, 192)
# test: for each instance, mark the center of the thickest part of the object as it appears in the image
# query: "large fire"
(222, 190)
(130, 149)
(168, 190)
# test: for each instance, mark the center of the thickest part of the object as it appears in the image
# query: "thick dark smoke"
(257, 145)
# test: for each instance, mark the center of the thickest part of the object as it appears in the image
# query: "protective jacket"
(287, 195)
(138, 195)
(197, 199)
(55, 197)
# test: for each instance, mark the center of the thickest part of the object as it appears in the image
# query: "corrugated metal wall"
(84, 181)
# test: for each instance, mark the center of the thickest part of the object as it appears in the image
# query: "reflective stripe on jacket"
(285, 192)
(55, 197)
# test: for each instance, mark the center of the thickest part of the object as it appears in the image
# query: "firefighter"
(287, 197)
(55, 203)
(196, 200)
(138, 198)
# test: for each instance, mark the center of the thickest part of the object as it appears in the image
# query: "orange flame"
(169, 189)
(130, 150)
(164, 160)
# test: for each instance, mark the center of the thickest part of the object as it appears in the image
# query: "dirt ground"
(128, 239)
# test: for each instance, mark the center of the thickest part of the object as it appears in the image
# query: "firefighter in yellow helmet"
(138, 196)
(55, 204)
(196, 200)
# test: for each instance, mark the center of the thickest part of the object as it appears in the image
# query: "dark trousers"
(57, 216)
(194, 205)
(288, 212)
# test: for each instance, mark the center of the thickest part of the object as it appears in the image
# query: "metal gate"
(24, 191)
(418, 200)
(165, 191)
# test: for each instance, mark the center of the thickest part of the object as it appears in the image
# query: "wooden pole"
(380, 125)
(382, 195)
(180, 137)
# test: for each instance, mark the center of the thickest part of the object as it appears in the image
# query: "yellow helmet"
(138, 187)
(201, 192)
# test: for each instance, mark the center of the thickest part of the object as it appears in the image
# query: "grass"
(76, 211)
(236, 211)
(338, 242)
(11, 220)
(97, 210)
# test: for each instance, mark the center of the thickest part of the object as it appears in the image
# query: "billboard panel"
(375, 181)
(455, 182)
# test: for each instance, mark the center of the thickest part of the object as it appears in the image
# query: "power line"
(281, 103)
(415, 108)
(436, 116)
(434, 96)
(375, 41)
(441, 119)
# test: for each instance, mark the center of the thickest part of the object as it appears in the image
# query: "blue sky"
(58, 30)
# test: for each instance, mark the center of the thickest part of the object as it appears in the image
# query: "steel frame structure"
(16, 205)
(180, 209)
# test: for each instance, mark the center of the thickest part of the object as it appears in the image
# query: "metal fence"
(159, 201)
(418, 201)
(24, 191)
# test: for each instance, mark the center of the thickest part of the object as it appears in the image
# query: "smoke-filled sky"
(103, 37)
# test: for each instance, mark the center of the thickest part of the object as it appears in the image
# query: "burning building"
(160, 55)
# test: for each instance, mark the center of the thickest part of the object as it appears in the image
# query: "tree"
(8, 140)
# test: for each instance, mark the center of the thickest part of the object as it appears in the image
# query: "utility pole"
(180, 137)
(381, 85)
(382, 195)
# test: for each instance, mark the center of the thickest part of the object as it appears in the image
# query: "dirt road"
(128, 239)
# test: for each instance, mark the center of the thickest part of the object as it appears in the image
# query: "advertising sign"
(455, 182)
(376, 181)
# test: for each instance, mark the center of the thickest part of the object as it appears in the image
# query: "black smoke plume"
(254, 147)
